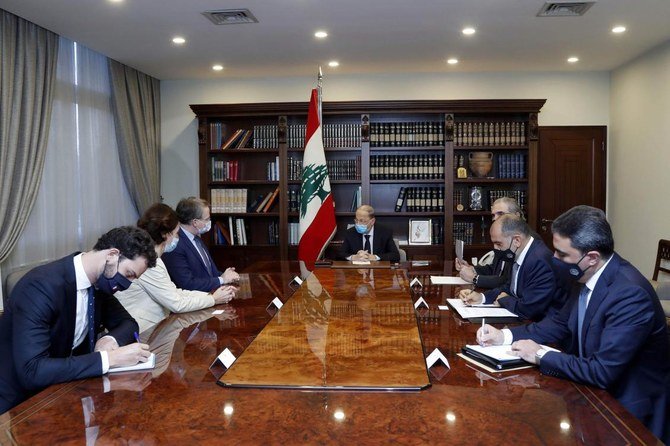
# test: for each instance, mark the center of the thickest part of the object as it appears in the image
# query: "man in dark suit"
(612, 332)
(497, 273)
(533, 290)
(49, 332)
(368, 241)
(190, 264)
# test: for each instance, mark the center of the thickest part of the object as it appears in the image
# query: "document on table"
(467, 312)
(448, 280)
(150, 364)
(360, 262)
(497, 352)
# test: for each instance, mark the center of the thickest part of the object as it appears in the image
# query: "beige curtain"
(28, 57)
(136, 109)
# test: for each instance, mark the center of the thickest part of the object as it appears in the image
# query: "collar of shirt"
(188, 233)
(82, 279)
(522, 256)
(591, 283)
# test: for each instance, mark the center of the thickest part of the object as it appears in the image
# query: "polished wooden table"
(179, 401)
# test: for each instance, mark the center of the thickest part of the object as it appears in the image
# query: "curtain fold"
(136, 109)
(28, 55)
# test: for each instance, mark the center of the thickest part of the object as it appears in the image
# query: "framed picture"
(420, 231)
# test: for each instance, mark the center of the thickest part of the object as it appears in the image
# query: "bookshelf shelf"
(382, 142)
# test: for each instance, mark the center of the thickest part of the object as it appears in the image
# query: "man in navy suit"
(612, 332)
(49, 332)
(533, 289)
(190, 264)
(368, 241)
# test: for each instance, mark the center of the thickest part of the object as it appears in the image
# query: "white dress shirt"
(372, 236)
(519, 261)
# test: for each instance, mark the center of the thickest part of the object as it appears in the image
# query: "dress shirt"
(192, 237)
(81, 319)
(372, 236)
(519, 261)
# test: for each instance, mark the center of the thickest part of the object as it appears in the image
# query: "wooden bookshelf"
(349, 136)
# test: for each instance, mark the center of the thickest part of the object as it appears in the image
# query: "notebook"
(150, 364)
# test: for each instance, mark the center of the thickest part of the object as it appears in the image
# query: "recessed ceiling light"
(217, 67)
(573, 59)
(178, 40)
(320, 34)
(452, 61)
(618, 29)
(333, 63)
(115, 1)
(469, 31)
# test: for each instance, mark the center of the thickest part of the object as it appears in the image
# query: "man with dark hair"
(533, 290)
(55, 313)
(612, 331)
(190, 264)
(496, 273)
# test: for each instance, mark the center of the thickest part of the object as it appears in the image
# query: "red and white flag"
(317, 208)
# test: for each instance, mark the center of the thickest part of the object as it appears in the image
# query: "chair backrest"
(402, 252)
(663, 253)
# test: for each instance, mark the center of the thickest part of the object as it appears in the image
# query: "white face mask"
(172, 245)
(206, 228)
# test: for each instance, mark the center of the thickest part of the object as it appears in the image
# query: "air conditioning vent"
(568, 8)
(230, 16)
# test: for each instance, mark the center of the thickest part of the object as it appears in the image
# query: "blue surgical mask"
(361, 229)
(206, 228)
(172, 245)
(110, 285)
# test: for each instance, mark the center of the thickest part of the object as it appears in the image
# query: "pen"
(137, 338)
(484, 330)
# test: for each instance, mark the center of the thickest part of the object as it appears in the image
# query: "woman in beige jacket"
(153, 296)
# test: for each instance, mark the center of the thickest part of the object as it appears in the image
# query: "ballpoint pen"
(137, 338)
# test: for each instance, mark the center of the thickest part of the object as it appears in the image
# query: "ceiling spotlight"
(452, 61)
(320, 34)
(573, 59)
(217, 67)
(618, 29)
(115, 1)
(469, 31)
(333, 63)
(178, 40)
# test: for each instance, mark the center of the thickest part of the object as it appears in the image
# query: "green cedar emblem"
(312, 185)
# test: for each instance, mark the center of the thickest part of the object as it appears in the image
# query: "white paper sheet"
(150, 364)
(448, 280)
(478, 312)
(460, 245)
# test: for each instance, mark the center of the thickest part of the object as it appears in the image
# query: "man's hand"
(230, 276)
(500, 296)
(468, 273)
(488, 335)
(106, 343)
(130, 354)
(470, 297)
(526, 350)
(224, 294)
(460, 264)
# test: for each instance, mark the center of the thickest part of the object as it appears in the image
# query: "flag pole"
(319, 79)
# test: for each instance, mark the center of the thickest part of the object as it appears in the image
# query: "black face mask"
(571, 269)
(507, 254)
(110, 285)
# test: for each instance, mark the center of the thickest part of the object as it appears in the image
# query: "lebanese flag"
(317, 208)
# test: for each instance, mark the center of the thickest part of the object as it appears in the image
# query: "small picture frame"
(420, 231)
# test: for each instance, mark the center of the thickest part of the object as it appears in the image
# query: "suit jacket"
(539, 290)
(496, 274)
(382, 244)
(187, 269)
(625, 344)
(37, 332)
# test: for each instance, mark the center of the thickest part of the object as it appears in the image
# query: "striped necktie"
(91, 319)
(203, 252)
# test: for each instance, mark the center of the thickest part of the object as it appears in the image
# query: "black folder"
(492, 362)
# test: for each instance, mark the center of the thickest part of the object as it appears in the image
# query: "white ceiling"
(366, 36)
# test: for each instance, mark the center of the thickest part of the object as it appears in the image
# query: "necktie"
(366, 245)
(515, 272)
(91, 319)
(203, 252)
(581, 311)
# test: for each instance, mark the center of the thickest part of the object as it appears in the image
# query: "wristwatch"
(475, 279)
(539, 354)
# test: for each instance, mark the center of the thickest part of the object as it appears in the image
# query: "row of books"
(272, 170)
(437, 231)
(420, 199)
(406, 167)
(235, 233)
(225, 170)
(334, 135)
(512, 165)
(506, 133)
(349, 169)
(238, 139)
(293, 200)
(293, 233)
(273, 233)
(461, 197)
(265, 137)
(406, 134)
(235, 201)
(464, 230)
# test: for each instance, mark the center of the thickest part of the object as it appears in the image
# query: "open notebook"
(150, 364)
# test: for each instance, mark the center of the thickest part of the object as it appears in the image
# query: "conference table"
(341, 362)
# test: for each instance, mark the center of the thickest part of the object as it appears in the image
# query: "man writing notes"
(612, 332)
(367, 240)
(534, 289)
(49, 332)
(190, 265)
(496, 273)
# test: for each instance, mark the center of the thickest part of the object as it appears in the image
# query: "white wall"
(639, 208)
(572, 99)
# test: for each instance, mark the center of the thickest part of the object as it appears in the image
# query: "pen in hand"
(137, 338)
